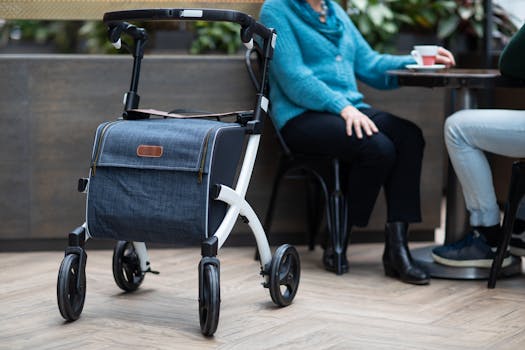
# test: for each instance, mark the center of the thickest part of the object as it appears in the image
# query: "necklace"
(323, 12)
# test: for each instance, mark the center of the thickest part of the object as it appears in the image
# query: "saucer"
(430, 68)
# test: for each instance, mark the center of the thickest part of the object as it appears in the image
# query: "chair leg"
(338, 220)
(516, 192)
(313, 209)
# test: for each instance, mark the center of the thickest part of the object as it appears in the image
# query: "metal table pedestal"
(424, 257)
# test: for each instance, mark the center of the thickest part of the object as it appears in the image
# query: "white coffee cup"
(425, 55)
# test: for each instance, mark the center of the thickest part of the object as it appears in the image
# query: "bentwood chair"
(323, 179)
(516, 193)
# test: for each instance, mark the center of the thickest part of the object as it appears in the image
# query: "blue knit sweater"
(315, 65)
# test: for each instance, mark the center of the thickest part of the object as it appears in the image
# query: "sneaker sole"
(518, 251)
(469, 263)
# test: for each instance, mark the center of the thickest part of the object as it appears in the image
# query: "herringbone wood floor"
(359, 310)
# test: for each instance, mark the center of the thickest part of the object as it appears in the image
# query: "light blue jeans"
(468, 133)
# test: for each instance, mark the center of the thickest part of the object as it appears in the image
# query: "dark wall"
(50, 106)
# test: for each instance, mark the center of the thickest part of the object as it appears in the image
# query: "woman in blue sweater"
(318, 57)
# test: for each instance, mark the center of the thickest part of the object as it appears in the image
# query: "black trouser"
(391, 158)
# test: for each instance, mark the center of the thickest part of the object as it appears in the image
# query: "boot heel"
(397, 260)
(390, 271)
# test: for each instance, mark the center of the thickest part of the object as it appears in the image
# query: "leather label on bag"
(149, 151)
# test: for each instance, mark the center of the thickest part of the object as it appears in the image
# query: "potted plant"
(381, 21)
(216, 37)
(457, 24)
(464, 23)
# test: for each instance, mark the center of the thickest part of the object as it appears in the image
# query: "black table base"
(424, 257)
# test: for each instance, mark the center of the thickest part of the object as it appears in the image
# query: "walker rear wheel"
(285, 272)
(126, 267)
(71, 291)
(209, 304)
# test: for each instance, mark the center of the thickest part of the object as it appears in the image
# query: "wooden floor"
(359, 310)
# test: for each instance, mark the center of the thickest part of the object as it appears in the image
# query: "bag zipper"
(99, 144)
(203, 159)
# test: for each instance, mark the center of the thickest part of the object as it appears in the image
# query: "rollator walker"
(164, 177)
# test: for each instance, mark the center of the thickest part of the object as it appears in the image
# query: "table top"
(456, 78)
(450, 72)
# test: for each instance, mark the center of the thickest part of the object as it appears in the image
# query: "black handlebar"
(249, 25)
(117, 25)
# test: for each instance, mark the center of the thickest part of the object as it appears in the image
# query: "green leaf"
(360, 4)
(447, 26)
(390, 28)
(378, 13)
(364, 26)
(478, 29)
(405, 19)
(449, 5)
(465, 12)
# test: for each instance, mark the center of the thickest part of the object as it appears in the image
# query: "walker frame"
(281, 271)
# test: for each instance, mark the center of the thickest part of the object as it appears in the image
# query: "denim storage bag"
(151, 179)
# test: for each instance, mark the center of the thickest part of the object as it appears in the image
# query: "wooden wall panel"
(50, 106)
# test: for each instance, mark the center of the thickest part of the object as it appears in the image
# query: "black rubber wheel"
(210, 303)
(285, 272)
(126, 267)
(70, 298)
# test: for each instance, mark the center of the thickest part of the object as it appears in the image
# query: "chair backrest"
(253, 59)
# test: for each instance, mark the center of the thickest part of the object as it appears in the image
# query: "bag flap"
(169, 144)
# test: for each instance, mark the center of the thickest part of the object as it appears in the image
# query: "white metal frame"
(238, 205)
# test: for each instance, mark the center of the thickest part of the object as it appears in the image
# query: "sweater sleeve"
(370, 66)
(293, 76)
(512, 60)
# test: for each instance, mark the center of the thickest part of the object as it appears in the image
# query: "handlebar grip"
(116, 29)
(118, 44)
(249, 44)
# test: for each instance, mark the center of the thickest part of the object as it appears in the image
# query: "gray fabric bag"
(150, 179)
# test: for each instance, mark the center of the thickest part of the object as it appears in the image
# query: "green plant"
(467, 18)
(375, 20)
(380, 20)
(216, 37)
(422, 14)
(94, 35)
(62, 34)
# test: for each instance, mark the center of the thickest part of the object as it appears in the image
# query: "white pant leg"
(467, 134)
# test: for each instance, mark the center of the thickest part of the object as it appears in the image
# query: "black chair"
(516, 192)
(323, 179)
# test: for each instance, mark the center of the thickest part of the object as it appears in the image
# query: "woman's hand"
(445, 57)
(357, 121)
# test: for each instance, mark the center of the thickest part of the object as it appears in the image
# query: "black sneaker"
(471, 251)
(517, 244)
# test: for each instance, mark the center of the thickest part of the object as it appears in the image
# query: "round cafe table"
(465, 83)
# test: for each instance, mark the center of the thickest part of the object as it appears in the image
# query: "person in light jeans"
(468, 134)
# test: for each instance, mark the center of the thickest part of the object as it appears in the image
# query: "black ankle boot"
(397, 260)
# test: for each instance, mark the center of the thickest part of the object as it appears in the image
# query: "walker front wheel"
(285, 272)
(126, 267)
(71, 288)
(210, 301)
